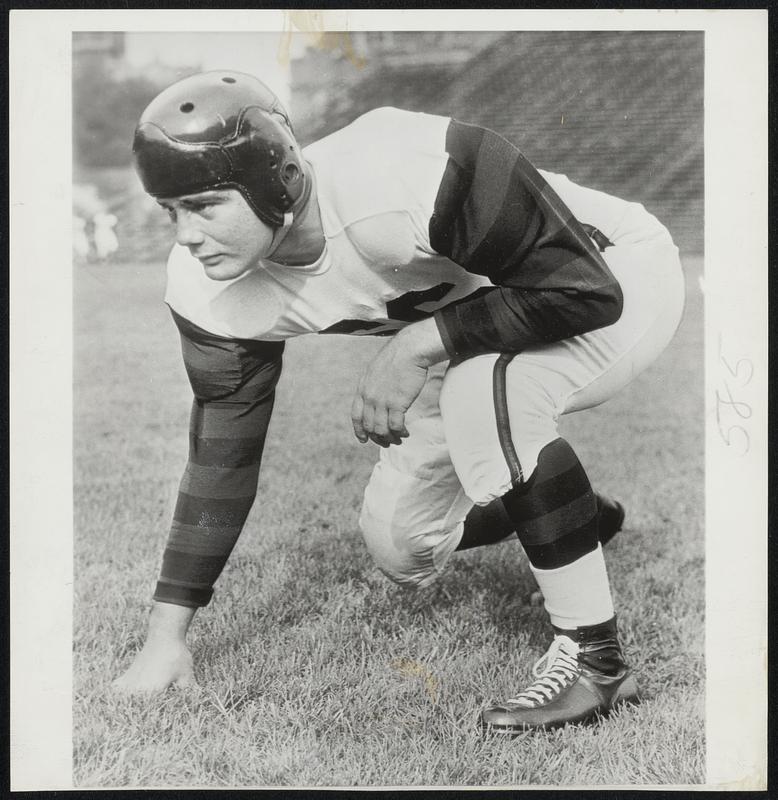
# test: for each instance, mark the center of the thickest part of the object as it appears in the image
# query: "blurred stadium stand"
(619, 111)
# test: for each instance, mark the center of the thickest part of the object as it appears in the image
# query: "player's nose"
(188, 234)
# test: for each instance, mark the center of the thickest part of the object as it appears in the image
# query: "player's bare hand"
(385, 392)
(155, 668)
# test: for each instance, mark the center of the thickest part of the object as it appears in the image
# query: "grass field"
(314, 669)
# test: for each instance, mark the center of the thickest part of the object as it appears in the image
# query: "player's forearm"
(510, 320)
(212, 507)
(422, 342)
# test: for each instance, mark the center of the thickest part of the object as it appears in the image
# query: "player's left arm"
(496, 215)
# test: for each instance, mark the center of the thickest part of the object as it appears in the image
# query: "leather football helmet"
(219, 130)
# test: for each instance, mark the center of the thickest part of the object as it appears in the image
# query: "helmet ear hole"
(186, 107)
(291, 173)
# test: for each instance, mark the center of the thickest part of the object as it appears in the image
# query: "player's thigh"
(414, 505)
(498, 414)
(595, 366)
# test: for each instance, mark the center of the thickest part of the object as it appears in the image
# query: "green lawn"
(314, 669)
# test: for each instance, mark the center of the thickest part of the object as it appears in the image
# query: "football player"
(509, 296)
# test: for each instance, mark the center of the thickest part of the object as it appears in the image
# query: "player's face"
(220, 230)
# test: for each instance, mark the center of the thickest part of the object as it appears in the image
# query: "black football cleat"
(582, 677)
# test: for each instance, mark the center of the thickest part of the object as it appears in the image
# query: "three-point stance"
(510, 296)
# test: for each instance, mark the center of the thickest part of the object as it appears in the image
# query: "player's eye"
(201, 206)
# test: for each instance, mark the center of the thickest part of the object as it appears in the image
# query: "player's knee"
(389, 548)
(482, 487)
(489, 470)
(406, 556)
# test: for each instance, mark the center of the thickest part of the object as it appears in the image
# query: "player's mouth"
(210, 261)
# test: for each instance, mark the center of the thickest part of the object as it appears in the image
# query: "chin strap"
(280, 233)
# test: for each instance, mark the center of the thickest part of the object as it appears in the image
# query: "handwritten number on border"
(729, 403)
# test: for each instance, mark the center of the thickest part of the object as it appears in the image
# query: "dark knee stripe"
(548, 527)
(565, 550)
(546, 493)
(499, 393)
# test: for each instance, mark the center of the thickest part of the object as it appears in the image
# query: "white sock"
(577, 594)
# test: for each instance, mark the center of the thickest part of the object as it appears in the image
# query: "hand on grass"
(165, 659)
(157, 667)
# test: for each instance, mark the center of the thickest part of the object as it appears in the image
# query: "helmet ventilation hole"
(187, 107)
(229, 80)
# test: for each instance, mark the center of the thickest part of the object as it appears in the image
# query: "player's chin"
(223, 269)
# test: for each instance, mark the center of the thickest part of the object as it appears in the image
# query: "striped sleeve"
(496, 215)
(233, 383)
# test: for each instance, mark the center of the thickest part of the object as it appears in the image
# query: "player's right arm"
(234, 388)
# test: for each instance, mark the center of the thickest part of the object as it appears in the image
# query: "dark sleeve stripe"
(183, 584)
(465, 324)
(234, 421)
(187, 596)
(485, 209)
(447, 330)
(202, 538)
(236, 453)
(200, 570)
(496, 215)
(210, 512)
(219, 482)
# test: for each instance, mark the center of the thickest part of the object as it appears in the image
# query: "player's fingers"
(357, 407)
(385, 441)
(378, 428)
(367, 417)
(396, 423)
(380, 422)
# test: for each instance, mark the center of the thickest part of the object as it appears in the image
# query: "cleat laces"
(552, 672)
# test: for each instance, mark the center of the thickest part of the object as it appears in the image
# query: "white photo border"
(41, 317)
